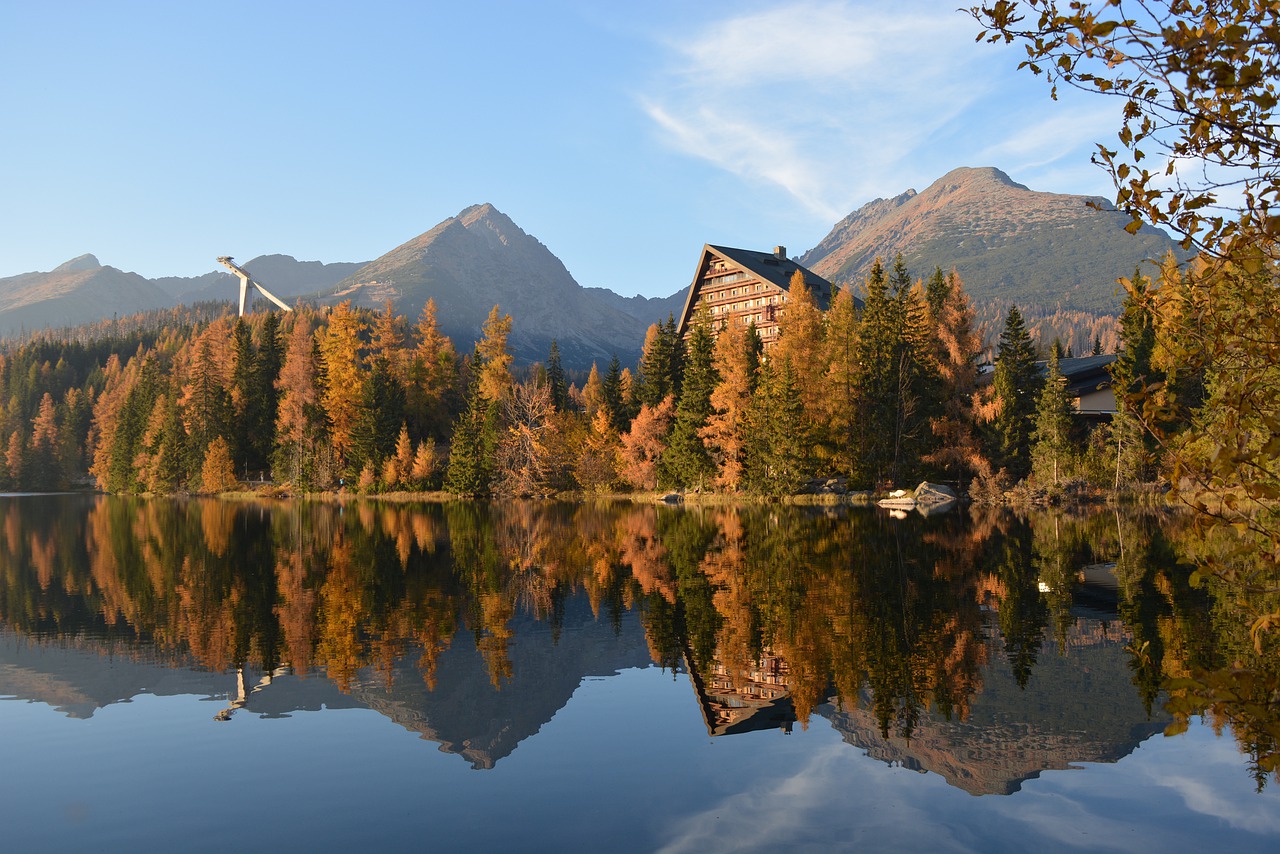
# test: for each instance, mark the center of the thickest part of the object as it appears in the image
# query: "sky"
(623, 136)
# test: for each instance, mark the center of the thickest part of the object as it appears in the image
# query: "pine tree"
(244, 401)
(44, 457)
(382, 411)
(556, 380)
(657, 361)
(612, 389)
(207, 408)
(686, 462)
(1051, 452)
(474, 441)
(1131, 373)
(1014, 387)
(774, 454)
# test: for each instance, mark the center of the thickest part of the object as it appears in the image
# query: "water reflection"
(985, 648)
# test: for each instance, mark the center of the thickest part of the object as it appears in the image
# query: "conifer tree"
(474, 440)
(207, 408)
(612, 392)
(299, 424)
(841, 382)
(217, 471)
(44, 458)
(1014, 387)
(801, 342)
(1052, 449)
(686, 462)
(382, 411)
(340, 355)
(432, 394)
(657, 361)
(958, 452)
(495, 361)
(244, 401)
(1131, 373)
(556, 379)
(774, 454)
(736, 360)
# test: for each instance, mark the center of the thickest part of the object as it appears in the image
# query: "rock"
(933, 493)
(672, 498)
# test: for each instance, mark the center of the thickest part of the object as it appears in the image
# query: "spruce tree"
(1015, 387)
(1052, 450)
(556, 380)
(613, 404)
(686, 461)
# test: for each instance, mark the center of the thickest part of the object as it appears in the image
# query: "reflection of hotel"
(736, 700)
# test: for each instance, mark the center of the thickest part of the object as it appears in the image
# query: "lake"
(206, 675)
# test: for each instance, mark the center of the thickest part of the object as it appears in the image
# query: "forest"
(345, 398)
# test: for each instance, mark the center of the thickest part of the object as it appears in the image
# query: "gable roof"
(1083, 374)
(765, 266)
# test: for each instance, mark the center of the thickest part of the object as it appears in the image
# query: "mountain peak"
(1009, 243)
(969, 176)
(79, 264)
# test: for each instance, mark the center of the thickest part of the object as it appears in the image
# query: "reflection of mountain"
(1078, 707)
(465, 714)
(79, 682)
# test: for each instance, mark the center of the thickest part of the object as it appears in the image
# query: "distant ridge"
(78, 291)
(1008, 242)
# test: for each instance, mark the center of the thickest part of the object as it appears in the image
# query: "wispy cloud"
(837, 102)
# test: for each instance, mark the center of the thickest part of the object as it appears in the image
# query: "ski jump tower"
(246, 281)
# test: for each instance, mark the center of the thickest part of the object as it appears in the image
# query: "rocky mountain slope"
(79, 291)
(1009, 243)
(480, 258)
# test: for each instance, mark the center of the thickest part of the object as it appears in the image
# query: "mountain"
(79, 291)
(1009, 243)
(647, 310)
(480, 258)
(283, 275)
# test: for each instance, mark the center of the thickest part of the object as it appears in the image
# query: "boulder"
(672, 498)
(933, 493)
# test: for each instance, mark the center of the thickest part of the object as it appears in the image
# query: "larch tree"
(840, 400)
(801, 341)
(495, 359)
(432, 390)
(645, 443)
(736, 359)
(340, 347)
(958, 451)
(299, 424)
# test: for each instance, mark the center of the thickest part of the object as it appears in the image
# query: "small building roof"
(1084, 374)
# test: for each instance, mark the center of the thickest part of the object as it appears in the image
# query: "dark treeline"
(350, 398)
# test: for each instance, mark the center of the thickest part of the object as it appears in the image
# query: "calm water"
(205, 675)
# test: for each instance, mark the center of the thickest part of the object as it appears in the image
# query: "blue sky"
(159, 135)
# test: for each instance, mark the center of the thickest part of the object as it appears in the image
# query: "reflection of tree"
(829, 604)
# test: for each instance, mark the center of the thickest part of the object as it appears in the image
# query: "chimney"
(780, 252)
